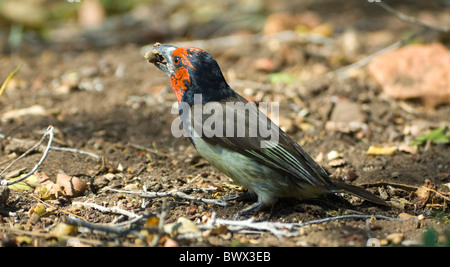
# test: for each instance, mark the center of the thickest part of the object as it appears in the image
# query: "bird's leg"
(239, 196)
(255, 206)
(271, 210)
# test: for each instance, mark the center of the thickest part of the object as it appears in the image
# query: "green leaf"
(281, 77)
(436, 136)
(28, 184)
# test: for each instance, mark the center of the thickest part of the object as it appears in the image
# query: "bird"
(270, 165)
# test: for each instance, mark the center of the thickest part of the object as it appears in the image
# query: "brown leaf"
(422, 195)
(69, 185)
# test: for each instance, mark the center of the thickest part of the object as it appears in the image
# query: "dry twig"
(412, 20)
(106, 209)
(66, 149)
(48, 132)
(173, 193)
(290, 229)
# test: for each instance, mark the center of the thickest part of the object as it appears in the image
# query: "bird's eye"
(176, 60)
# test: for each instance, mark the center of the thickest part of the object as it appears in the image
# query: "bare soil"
(119, 108)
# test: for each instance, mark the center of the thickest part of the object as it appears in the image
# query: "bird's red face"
(182, 60)
(191, 71)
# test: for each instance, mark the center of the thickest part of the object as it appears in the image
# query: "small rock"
(346, 117)
(333, 154)
(415, 71)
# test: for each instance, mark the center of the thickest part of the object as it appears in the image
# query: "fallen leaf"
(407, 149)
(27, 184)
(70, 186)
(62, 230)
(44, 186)
(39, 209)
(374, 150)
(422, 195)
(152, 221)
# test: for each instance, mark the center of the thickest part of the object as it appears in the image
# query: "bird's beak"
(161, 56)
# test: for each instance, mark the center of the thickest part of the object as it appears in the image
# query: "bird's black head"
(192, 71)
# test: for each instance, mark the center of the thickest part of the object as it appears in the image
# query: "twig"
(173, 193)
(412, 20)
(281, 229)
(437, 192)
(48, 132)
(134, 217)
(366, 60)
(55, 209)
(74, 150)
(106, 209)
(66, 149)
(277, 228)
(119, 230)
(165, 209)
(351, 216)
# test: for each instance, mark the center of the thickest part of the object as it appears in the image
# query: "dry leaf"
(69, 186)
(374, 150)
(407, 149)
(152, 221)
(62, 230)
(422, 195)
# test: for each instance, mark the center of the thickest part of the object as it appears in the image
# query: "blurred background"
(382, 120)
(30, 25)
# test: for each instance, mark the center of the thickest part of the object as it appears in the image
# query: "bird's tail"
(359, 192)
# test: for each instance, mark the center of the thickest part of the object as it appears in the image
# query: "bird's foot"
(253, 207)
(239, 196)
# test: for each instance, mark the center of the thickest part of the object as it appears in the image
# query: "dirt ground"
(109, 101)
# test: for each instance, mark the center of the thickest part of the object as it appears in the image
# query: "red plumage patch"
(181, 80)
